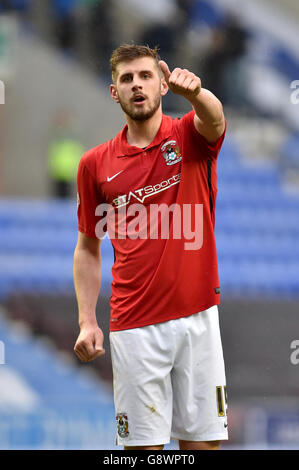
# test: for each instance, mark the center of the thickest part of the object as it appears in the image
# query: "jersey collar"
(123, 149)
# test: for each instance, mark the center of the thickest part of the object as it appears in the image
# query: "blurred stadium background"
(54, 67)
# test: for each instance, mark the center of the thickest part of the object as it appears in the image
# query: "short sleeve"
(204, 149)
(88, 198)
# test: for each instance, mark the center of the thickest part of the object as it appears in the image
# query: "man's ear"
(164, 87)
(113, 93)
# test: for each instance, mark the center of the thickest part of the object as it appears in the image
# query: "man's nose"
(136, 85)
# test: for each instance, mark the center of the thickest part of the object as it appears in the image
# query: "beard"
(141, 114)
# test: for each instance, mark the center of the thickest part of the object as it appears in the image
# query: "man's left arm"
(209, 119)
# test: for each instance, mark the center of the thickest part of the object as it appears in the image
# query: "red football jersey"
(161, 271)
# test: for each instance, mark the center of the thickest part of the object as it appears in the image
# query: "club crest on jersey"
(171, 152)
(122, 424)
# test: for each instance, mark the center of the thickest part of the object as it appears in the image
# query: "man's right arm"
(87, 282)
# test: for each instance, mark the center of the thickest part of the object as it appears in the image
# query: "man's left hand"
(181, 81)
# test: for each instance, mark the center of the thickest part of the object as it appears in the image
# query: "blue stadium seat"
(257, 228)
(65, 398)
(289, 152)
(205, 12)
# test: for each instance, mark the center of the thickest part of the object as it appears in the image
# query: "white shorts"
(169, 381)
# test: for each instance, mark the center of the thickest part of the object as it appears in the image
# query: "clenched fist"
(89, 344)
(181, 81)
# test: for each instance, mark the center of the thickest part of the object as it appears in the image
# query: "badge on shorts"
(122, 424)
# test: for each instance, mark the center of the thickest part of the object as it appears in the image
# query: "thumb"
(165, 69)
(98, 345)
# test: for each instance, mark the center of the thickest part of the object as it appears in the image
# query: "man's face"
(138, 88)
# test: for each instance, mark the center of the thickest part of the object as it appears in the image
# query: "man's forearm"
(207, 107)
(87, 282)
(209, 120)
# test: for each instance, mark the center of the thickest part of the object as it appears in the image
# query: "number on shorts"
(221, 403)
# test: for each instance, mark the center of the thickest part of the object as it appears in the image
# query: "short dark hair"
(128, 52)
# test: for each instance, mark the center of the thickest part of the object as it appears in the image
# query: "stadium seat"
(257, 228)
(50, 398)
